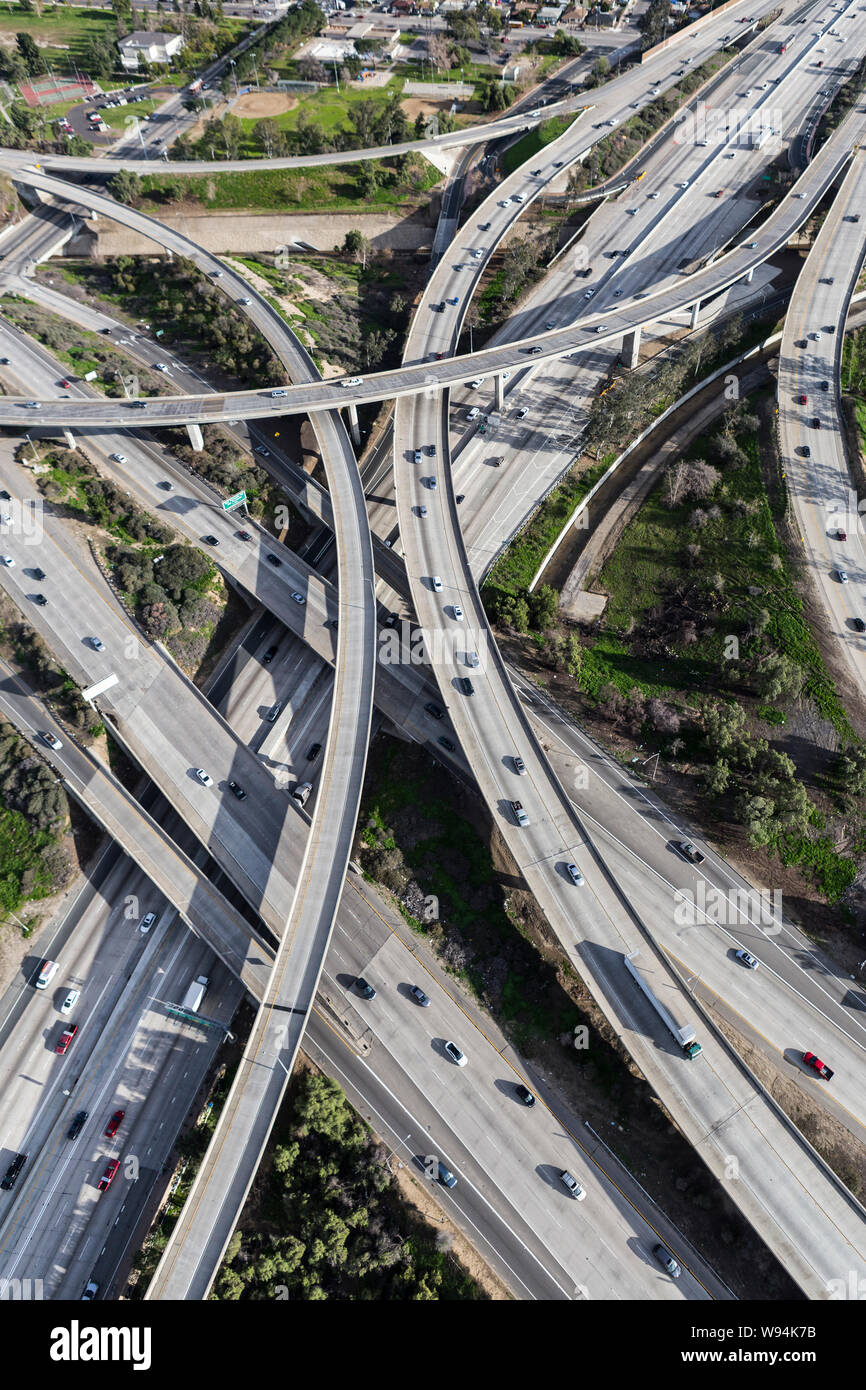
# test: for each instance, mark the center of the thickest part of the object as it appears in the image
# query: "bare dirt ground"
(417, 106)
(417, 1195)
(257, 104)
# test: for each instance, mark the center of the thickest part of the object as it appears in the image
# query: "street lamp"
(235, 76)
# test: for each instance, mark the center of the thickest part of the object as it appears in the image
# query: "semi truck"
(194, 995)
(649, 974)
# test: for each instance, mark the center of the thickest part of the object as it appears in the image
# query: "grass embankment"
(61, 26)
(327, 188)
(533, 141)
(516, 569)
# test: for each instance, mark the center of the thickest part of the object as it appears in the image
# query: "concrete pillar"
(630, 352)
(498, 392)
(195, 439)
(70, 438)
(354, 426)
(696, 309)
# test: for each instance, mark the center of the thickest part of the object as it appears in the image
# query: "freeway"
(812, 433)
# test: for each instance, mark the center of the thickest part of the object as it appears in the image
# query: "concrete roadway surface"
(425, 376)
(811, 429)
(302, 686)
(696, 45)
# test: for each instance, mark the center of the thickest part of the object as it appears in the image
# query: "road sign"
(231, 502)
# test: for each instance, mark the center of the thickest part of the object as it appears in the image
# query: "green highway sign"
(231, 502)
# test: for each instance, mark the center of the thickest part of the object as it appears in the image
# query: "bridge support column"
(498, 392)
(630, 351)
(70, 438)
(195, 439)
(354, 427)
(696, 309)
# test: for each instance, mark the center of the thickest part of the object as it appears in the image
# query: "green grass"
(118, 116)
(533, 141)
(320, 189)
(329, 108)
(21, 846)
(73, 29)
(514, 572)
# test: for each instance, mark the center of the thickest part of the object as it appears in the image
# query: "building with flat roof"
(141, 46)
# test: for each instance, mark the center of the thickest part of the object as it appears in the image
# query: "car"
(65, 1039)
(816, 423)
(51, 739)
(245, 300)
(479, 380)
(298, 598)
(137, 405)
(118, 458)
(483, 227)
(825, 386)
(558, 163)
(841, 535)
(216, 274)
(574, 873)
(802, 398)
(210, 540)
(10, 1177)
(520, 197)
(572, 1185)
(747, 959)
(519, 766)
(800, 343)
(617, 293)
(269, 656)
(301, 792)
(523, 1093)
(419, 996)
(417, 456)
(842, 576)
(460, 498)
(97, 644)
(804, 451)
(551, 323)
(455, 1054)
(457, 612)
(600, 328)
(8, 561)
(431, 483)
(262, 451)
(465, 685)
(237, 790)
(474, 412)
(519, 812)
(447, 744)
(471, 659)
(431, 450)
(7, 496)
(65, 383)
(505, 202)
(69, 1002)
(667, 1261)
(313, 752)
(147, 922)
(436, 712)
(422, 510)
(859, 624)
(815, 337)
(109, 1175)
(446, 1177)
(827, 280)
(690, 852)
(32, 405)
(40, 599)
(436, 582)
(77, 1124)
(273, 560)
(523, 412)
(91, 1289)
(535, 173)
(273, 712)
(160, 366)
(364, 988)
(204, 777)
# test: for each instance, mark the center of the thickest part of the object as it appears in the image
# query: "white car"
(7, 561)
(476, 254)
(436, 582)
(520, 197)
(523, 412)
(118, 458)
(799, 195)
(458, 612)
(70, 1001)
(551, 323)
(684, 184)
(246, 300)
(160, 367)
(479, 381)
(204, 777)
(455, 1054)
(473, 413)
(588, 294)
(147, 922)
(353, 381)
(574, 873)
(422, 510)
(53, 741)
(97, 644)
(655, 195)
(505, 202)
(416, 458)
(471, 659)
(747, 959)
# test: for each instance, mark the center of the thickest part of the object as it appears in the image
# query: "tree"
(654, 22)
(357, 246)
(269, 137)
(126, 187)
(779, 678)
(439, 52)
(851, 769)
(33, 60)
(574, 656)
(543, 607)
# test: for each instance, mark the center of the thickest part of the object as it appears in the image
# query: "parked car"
(519, 766)
(275, 561)
(436, 712)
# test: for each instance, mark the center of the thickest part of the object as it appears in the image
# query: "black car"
(419, 996)
(446, 743)
(801, 343)
(525, 1094)
(859, 624)
(77, 1125)
(135, 405)
(238, 790)
(243, 535)
(269, 656)
(314, 752)
(40, 599)
(667, 1261)
(804, 451)
(459, 498)
(466, 685)
(11, 1175)
(484, 226)
(816, 423)
(825, 386)
(38, 574)
(273, 560)
(210, 540)
(366, 989)
(436, 712)
(7, 496)
(391, 620)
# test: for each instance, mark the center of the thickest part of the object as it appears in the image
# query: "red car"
(803, 399)
(109, 1175)
(841, 535)
(66, 1038)
(817, 1065)
(64, 383)
(114, 1123)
